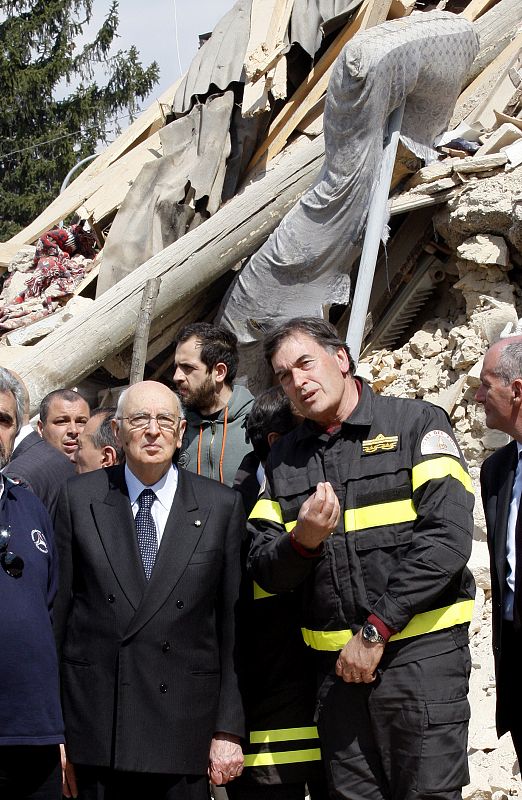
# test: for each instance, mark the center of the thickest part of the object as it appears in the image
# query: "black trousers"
(30, 772)
(403, 737)
(241, 790)
(509, 685)
(100, 783)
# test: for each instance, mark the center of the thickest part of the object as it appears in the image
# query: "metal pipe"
(71, 172)
(377, 219)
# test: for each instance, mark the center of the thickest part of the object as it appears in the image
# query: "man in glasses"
(31, 727)
(149, 559)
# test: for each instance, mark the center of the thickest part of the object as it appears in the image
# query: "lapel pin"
(197, 523)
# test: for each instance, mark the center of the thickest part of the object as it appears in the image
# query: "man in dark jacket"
(36, 463)
(31, 727)
(145, 615)
(367, 510)
(500, 392)
(206, 365)
(282, 754)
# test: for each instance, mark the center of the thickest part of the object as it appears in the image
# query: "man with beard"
(205, 367)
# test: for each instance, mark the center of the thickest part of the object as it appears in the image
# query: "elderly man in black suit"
(145, 616)
(500, 393)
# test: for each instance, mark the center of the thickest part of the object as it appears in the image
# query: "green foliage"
(39, 56)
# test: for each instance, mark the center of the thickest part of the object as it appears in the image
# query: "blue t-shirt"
(30, 712)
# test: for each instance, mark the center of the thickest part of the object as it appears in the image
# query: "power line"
(177, 39)
(58, 138)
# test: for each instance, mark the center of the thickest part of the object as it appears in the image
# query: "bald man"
(500, 392)
(145, 616)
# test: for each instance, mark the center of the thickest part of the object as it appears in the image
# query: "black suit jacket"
(148, 669)
(42, 467)
(497, 476)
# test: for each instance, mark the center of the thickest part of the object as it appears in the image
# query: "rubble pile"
(440, 362)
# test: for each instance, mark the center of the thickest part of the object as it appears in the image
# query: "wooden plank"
(495, 29)
(118, 179)
(89, 278)
(90, 179)
(114, 181)
(478, 90)
(476, 8)
(315, 85)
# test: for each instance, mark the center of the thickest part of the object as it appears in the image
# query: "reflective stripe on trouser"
(427, 622)
(283, 746)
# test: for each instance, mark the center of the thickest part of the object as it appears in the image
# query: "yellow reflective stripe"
(283, 735)
(260, 593)
(440, 467)
(268, 510)
(437, 620)
(289, 757)
(355, 519)
(326, 640)
(427, 622)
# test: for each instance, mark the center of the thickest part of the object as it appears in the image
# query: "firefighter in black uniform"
(277, 675)
(367, 508)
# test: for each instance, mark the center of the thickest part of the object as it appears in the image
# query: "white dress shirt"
(510, 539)
(164, 489)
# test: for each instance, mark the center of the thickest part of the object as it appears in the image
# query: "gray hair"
(8, 383)
(509, 364)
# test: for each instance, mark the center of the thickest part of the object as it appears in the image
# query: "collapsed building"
(246, 190)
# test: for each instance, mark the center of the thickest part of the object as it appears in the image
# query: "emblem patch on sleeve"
(439, 443)
(381, 444)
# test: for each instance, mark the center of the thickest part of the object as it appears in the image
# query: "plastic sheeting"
(173, 194)
(303, 267)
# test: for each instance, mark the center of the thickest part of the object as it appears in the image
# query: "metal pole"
(141, 337)
(377, 218)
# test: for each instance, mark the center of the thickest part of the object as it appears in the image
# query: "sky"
(151, 26)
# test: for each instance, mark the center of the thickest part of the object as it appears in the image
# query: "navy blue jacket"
(30, 711)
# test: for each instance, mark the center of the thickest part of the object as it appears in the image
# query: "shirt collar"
(164, 489)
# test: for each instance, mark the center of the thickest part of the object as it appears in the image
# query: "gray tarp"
(304, 264)
(156, 210)
(172, 194)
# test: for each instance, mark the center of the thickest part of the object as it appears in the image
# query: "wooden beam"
(315, 85)
(186, 268)
(476, 8)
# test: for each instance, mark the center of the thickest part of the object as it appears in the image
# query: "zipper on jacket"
(213, 427)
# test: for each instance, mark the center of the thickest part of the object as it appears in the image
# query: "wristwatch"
(371, 634)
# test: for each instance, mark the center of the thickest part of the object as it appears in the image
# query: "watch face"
(371, 634)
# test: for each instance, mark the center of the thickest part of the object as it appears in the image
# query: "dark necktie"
(146, 531)
(517, 603)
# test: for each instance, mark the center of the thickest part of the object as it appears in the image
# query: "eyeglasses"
(139, 422)
(12, 564)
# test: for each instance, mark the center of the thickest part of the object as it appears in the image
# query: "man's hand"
(69, 788)
(226, 758)
(358, 660)
(318, 517)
